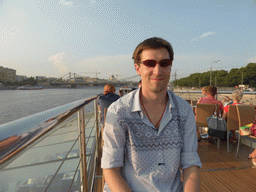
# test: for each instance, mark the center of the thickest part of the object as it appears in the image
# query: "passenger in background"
(237, 96)
(209, 99)
(252, 156)
(226, 101)
(107, 99)
(121, 93)
(204, 91)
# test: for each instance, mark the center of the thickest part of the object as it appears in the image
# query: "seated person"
(209, 99)
(253, 157)
(226, 101)
(107, 99)
(121, 93)
(204, 91)
(237, 96)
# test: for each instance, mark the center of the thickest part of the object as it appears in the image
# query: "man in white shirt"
(150, 134)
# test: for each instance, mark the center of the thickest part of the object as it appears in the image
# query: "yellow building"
(7, 74)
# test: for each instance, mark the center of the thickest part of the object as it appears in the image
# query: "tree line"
(221, 78)
(31, 81)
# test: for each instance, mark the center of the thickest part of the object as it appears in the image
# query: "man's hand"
(115, 180)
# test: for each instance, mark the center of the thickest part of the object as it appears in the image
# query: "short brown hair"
(152, 43)
(212, 90)
(109, 88)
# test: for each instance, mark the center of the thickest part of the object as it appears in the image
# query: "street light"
(211, 71)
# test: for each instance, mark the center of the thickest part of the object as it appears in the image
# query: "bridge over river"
(74, 80)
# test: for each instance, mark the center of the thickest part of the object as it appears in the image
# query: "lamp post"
(211, 71)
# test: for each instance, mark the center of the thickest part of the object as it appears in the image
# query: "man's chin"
(159, 89)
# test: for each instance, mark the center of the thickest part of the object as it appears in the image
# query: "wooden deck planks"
(221, 171)
(230, 180)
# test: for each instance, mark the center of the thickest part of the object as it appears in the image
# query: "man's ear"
(137, 68)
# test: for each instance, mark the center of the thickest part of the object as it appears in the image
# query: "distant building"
(20, 78)
(41, 78)
(112, 78)
(7, 75)
(52, 78)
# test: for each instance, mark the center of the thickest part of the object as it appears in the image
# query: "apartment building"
(20, 78)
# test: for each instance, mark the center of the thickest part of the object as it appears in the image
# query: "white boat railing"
(55, 150)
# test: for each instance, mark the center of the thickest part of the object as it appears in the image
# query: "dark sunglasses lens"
(165, 62)
(150, 63)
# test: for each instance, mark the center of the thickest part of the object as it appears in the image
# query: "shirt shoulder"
(122, 107)
(102, 97)
(183, 105)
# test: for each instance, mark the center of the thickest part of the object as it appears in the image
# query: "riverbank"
(248, 99)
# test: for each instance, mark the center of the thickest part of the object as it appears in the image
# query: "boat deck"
(221, 171)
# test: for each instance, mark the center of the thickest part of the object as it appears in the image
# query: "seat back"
(246, 114)
(232, 118)
(203, 111)
(193, 102)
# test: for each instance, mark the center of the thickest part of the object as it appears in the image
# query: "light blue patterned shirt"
(150, 159)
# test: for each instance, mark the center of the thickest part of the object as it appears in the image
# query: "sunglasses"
(162, 63)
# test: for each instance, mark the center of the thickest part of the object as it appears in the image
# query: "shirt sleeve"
(114, 142)
(189, 155)
(221, 106)
(226, 108)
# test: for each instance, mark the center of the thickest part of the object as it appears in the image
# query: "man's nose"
(158, 69)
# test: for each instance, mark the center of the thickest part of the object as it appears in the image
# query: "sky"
(97, 37)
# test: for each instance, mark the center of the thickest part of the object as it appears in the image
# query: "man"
(210, 98)
(107, 98)
(204, 91)
(150, 134)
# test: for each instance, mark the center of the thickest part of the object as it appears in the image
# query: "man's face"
(154, 79)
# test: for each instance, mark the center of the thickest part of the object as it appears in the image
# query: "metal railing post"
(81, 124)
(97, 124)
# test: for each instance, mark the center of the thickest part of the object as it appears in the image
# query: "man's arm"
(115, 180)
(191, 179)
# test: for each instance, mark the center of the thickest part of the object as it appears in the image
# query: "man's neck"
(211, 96)
(153, 98)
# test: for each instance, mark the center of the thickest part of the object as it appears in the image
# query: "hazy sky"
(53, 37)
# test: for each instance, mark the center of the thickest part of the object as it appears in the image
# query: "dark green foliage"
(245, 75)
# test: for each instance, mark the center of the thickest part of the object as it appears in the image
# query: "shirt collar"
(136, 101)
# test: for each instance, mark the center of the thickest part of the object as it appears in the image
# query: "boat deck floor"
(221, 171)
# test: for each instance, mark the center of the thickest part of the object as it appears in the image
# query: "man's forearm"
(115, 180)
(191, 179)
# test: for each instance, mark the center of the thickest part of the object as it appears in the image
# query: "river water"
(15, 104)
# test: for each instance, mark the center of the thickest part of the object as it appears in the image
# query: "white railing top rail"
(18, 134)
